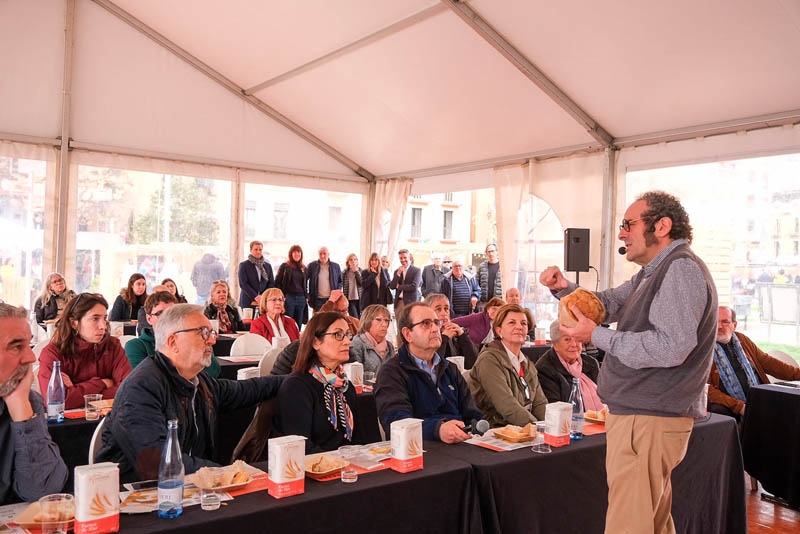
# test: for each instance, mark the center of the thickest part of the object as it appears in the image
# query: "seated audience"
(455, 339)
(92, 361)
(563, 361)
(130, 299)
(461, 288)
(339, 303)
(479, 325)
(144, 346)
(172, 287)
(285, 360)
(220, 309)
(370, 347)
(317, 400)
(505, 384)
(172, 385)
(513, 296)
(30, 463)
(419, 383)
(375, 283)
(739, 365)
(54, 297)
(273, 321)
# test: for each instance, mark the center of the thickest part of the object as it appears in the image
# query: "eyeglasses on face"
(276, 299)
(156, 314)
(205, 332)
(427, 324)
(338, 335)
(626, 224)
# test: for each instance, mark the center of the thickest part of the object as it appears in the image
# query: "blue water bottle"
(55, 395)
(170, 475)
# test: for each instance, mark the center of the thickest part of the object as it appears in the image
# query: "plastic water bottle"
(55, 395)
(575, 398)
(170, 475)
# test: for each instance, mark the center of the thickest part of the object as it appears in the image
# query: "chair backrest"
(470, 382)
(97, 438)
(39, 347)
(123, 340)
(249, 345)
(265, 366)
(785, 358)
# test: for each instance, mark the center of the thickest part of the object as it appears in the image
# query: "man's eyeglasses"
(156, 314)
(626, 224)
(205, 332)
(427, 324)
(338, 335)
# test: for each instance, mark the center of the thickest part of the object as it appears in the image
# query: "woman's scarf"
(591, 400)
(381, 348)
(224, 321)
(727, 376)
(339, 413)
(259, 263)
(277, 327)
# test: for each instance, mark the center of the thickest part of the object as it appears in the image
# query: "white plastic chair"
(785, 358)
(265, 366)
(123, 340)
(250, 345)
(94, 445)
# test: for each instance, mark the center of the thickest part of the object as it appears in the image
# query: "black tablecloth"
(566, 491)
(129, 329)
(535, 352)
(72, 437)
(222, 347)
(771, 440)
(435, 499)
(230, 369)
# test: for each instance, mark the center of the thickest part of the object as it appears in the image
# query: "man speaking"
(657, 360)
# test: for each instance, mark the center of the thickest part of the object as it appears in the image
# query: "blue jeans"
(295, 308)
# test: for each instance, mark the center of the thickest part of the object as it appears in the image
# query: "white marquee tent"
(559, 98)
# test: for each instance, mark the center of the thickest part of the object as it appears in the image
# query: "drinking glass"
(538, 444)
(92, 405)
(209, 499)
(56, 510)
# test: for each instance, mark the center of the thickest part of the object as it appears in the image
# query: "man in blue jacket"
(324, 277)
(421, 384)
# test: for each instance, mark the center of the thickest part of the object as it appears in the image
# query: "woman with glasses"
(273, 321)
(317, 400)
(172, 287)
(291, 278)
(370, 346)
(219, 308)
(53, 299)
(130, 299)
(505, 384)
(91, 360)
(564, 361)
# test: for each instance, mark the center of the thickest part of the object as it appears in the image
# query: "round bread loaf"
(587, 303)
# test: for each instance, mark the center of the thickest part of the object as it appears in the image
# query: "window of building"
(249, 220)
(448, 197)
(447, 226)
(416, 223)
(280, 214)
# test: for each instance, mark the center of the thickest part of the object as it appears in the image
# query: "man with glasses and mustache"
(419, 383)
(30, 463)
(657, 360)
(172, 384)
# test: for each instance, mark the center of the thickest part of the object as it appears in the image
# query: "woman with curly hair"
(53, 299)
(130, 299)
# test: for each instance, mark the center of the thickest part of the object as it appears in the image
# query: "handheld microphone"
(477, 427)
(622, 250)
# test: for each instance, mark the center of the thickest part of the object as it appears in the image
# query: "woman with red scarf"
(219, 309)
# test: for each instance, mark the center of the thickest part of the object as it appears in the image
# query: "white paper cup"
(247, 313)
(215, 324)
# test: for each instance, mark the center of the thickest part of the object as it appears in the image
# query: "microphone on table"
(622, 250)
(476, 426)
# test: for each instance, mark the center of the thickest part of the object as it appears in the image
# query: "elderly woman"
(172, 287)
(370, 346)
(218, 308)
(316, 400)
(54, 297)
(351, 285)
(291, 278)
(375, 283)
(130, 299)
(273, 322)
(564, 361)
(91, 360)
(504, 383)
(479, 325)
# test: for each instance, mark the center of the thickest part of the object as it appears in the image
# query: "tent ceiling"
(427, 93)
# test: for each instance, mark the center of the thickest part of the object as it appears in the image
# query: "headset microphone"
(622, 250)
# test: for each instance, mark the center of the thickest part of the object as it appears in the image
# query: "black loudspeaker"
(576, 250)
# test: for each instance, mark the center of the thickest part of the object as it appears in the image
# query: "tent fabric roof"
(398, 88)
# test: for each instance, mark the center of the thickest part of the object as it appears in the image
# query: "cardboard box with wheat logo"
(286, 466)
(97, 498)
(406, 445)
